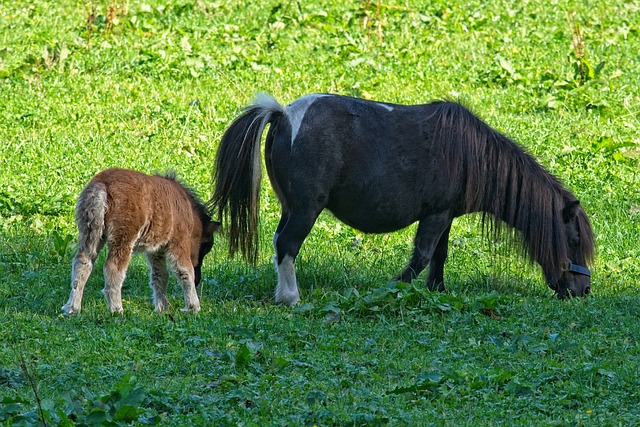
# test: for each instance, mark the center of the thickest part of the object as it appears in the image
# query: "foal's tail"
(90, 210)
(238, 173)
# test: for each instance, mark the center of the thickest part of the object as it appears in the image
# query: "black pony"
(380, 167)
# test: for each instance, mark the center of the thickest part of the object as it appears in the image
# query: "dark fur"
(380, 167)
(499, 177)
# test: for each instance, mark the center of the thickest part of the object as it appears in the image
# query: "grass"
(152, 86)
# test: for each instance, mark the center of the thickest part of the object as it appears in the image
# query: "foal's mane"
(199, 206)
(498, 177)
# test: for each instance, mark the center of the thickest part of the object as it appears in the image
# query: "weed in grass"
(78, 97)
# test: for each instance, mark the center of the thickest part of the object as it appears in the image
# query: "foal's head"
(574, 277)
(201, 244)
(202, 232)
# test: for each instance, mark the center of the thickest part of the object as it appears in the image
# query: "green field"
(152, 85)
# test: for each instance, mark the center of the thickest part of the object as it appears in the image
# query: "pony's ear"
(570, 210)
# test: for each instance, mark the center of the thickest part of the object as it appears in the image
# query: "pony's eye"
(575, 241)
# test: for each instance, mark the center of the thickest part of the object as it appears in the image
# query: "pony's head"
(574, 278)
(201, 247)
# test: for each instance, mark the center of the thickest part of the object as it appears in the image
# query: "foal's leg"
(429, 232)
(287, 243)
(158, 279)
(186, 277)
(115, 270)
(80, 272)
(435, 280)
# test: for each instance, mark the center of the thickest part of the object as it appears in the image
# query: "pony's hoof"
(162, 307)
(288, 300)
(191, 309)
(69, 311)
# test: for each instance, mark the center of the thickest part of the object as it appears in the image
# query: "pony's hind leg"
(284, 217)
(80, 272)
(287, 243)
(430, 231)
(158, 279)
(115, 271)
(90, 210)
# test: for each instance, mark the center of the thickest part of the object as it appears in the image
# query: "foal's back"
(130, 211)
(152, 209)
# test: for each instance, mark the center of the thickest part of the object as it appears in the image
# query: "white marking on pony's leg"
(113, 278)
(158, 279)
(80, 272)
(115, 271)
(287, 290)
(296, 111)
(186, 277)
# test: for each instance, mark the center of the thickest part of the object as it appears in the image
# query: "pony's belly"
(150, 242)
(374, 220)
(376, 207)
(147, 248)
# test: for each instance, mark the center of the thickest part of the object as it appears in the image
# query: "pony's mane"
(498, 177)
(200, 207)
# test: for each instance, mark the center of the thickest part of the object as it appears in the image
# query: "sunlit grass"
(152, 85)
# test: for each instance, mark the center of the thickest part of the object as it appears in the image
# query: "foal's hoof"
(69, 311)
(191, 309)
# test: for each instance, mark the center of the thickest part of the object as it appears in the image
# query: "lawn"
(152, 85)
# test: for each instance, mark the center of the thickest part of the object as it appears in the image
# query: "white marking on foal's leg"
(82, 266)
(287, 290)
(113, 279)
(158, 279)
(186, 277)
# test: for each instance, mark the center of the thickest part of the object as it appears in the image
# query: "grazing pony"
(131, 211)
(380, 167)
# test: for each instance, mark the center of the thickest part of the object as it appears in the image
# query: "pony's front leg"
(80, 272)
(287, 243)
(186, 277)
(158, 279)
(435, 280)
(430, 231)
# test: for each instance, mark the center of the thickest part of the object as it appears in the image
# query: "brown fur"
(133, 212)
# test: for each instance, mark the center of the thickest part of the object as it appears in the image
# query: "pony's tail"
(90, 211)
(238, 173)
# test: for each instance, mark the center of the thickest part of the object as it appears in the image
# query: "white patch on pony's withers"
(385, 106)
(296, 111)
(287, 290)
